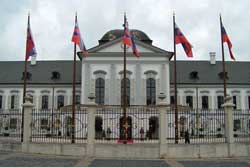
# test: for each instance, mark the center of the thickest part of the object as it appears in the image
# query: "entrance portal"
(122, 128)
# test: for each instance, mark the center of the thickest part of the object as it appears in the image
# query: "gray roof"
(11, 72)
(238, 72)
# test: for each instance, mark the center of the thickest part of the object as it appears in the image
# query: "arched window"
(78, 99)
(60, 101)
(127, 91)
(151, 91)
(45, 102)
(99, 90)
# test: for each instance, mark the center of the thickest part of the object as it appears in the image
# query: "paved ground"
(9, 159)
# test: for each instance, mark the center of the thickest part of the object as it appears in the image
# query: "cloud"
(52, 24)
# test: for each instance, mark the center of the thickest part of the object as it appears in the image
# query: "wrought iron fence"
(143, 124)
(57, 126)
(11, 125)
(241, 124)
(197, 126)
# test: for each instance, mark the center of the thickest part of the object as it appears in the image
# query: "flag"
(30, 45)
(181, 39)
(226, 39)
(77, 39)
(128, 38)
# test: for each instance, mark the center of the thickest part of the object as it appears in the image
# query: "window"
(151, 91)
(220, 101)
(13, 123)
(204, 101)
(248, 102)
(237, 125)
(55, 75)
(1, 102)
(235, 102)
(45, 102)
(127, 91)
(60, 101)
(78, 99)
(172, 100)
(12, 101)
(100, 90)
(189, 101)
(44, 123)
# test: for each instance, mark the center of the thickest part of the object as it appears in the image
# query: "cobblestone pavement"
(10, 159)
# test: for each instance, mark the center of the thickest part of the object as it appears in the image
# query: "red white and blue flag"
(181, 39)
(77, 39)
(226, 39)
(128, 38)
(30, 45)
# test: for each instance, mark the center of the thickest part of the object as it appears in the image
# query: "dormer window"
(55, 75)
(28, 76)
(221, 75)
(194, 75)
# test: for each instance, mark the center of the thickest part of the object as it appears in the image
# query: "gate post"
(27, 111)
(228, 107)
(91, 126)
(163, 126)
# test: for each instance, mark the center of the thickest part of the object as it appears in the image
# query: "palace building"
(200, 83)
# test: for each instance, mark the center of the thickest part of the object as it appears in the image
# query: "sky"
(52, 24)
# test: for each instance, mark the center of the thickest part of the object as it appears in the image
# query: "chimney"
(33, 60)
(212, 58)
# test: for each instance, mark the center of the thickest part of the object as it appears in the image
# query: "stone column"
(91, 128)
(163, 126)
(228, 107)
(27, 111)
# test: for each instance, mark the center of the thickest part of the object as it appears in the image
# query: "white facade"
(106, 61)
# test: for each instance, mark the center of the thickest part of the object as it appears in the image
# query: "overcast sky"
(52, 23)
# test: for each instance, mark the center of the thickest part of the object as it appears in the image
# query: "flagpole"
(24, 80)
(223, 62)
(125, 126)
(73, 91)
(175, 86)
